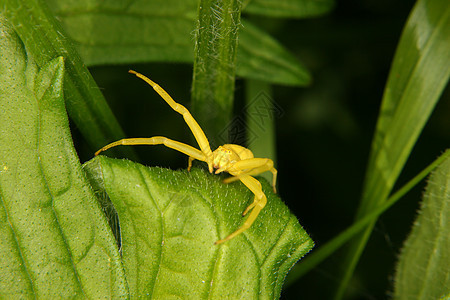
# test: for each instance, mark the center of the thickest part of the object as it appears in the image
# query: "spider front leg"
(159, 140)
(195, 128)
(258, 204)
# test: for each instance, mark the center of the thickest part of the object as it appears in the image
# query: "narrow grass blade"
(419, 73)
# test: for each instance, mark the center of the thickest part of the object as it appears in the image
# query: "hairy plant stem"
(214, 66)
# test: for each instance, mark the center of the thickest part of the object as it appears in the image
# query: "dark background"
(323, 136)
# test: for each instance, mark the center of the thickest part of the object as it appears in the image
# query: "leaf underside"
(163, 31)
(169, 221)
(289, 8)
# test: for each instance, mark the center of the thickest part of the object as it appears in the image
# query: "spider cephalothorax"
(224, 156)
(234, 159)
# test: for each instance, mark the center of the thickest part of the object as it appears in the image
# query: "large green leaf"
(111, 32)
(44, 38)
(55, 241)
(423, 271)
(419, 73)
(169, 221)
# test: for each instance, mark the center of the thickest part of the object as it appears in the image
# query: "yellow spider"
(234, 159)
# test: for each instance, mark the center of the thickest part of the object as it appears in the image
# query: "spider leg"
(197, 131)
(258, 204)
(250, 207)
(252, 167)
(158, 140)
(191, 159)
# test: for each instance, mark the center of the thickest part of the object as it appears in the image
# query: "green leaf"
(111, 32)
(289, 8)
(169, 221)
(419, 73)
(56, 242)
(423, 269)
(45, 40)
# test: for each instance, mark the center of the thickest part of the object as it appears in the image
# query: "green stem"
(214, 65)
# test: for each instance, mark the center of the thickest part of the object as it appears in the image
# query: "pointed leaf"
(419, 73)
(423, 270)
(56, 242)
(169, 221)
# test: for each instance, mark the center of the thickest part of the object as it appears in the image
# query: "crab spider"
(233, 159)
